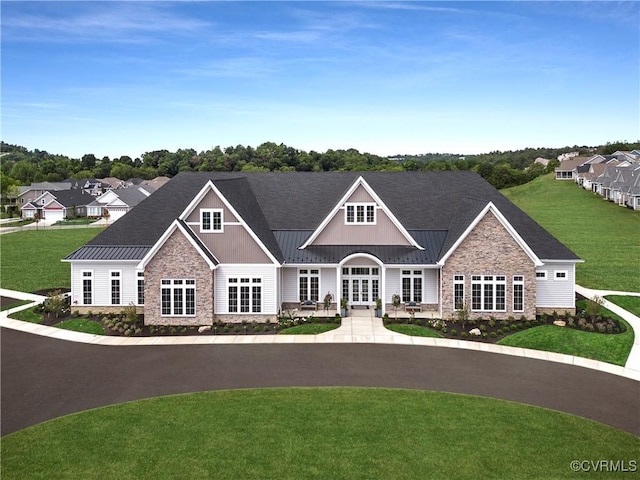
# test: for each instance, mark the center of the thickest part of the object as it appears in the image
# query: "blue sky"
(385, 77)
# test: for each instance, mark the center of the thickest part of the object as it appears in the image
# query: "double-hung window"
(140, 277)
(360, 213)
(309, 284)
(488, 293)
(87, 287)
(116, 285)
(178, 297)
(245, 295)
(458, 292)
(211, 220)
(518, 293)
(412, 285)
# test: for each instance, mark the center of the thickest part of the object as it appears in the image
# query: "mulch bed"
(114, 325)
(491, 331)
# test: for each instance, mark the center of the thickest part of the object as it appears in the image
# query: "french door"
(360, 285)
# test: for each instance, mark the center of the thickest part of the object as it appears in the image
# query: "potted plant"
(344, 303)
(378, 307)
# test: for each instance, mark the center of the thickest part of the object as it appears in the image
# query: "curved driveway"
(43, 378)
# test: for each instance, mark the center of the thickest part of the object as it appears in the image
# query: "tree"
(88, 161)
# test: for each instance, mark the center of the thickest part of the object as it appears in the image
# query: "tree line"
(20, 166)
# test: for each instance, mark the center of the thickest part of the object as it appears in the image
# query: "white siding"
(392, 284)
(553, 292)
(328, 283)
(268, 273)
(290, 284)
(102, 282)
(430, 286)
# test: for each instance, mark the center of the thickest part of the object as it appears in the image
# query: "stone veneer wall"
(489, 250)
(177, 259)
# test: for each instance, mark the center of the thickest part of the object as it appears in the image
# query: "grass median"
(347, 433)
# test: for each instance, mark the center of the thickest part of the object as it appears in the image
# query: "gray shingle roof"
(444, 202)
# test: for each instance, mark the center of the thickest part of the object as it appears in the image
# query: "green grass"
(413, 330)
(31, 259)
(600, 232)
(17, 223)
(75, 221)
(629, 303)
(309, 329)
(610, 348)
(82, 325)
(346, 433)
(14, 305)
(27, 315)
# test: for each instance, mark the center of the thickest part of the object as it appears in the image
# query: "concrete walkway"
(361, 327)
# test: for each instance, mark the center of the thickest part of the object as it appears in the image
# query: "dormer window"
(211, 220)
(360, 213)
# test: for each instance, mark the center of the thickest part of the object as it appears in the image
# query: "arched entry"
(360, 279)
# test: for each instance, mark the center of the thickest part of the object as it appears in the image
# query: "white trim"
(212, 211)
(165, 236)
(365, 212)
(544, 275)
(239, 284)
(515, 282)
(118, 277)
(198, 198)
(91, 278)
(490, 207)
(359, 182)
(183, 286)
(563, 278)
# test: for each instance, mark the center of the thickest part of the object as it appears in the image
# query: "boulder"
(475, 331)
(204, 328)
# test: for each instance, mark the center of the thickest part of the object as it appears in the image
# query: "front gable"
(486, 229)
(177, 234)
(107, 197)
(217, 224)
(360, 218)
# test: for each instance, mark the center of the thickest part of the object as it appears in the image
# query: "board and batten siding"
(268, 274)
(102, 282)
(553, 292)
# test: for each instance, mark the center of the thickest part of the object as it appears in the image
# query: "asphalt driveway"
(44, 378)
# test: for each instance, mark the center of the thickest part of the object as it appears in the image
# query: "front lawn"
(31, 259)
(596, 346)
(309, 329)
(629, 303)
(602, 233)
(82, 325)
(412, 330)
(27, 315)
(323, 433)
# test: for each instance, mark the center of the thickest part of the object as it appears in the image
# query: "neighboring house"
(542, 161)
(247, 246)
(567, 170)
(35, 190)
(91, 186)
(113, 182)
(58, 205)
(156, 183)
(118, 202)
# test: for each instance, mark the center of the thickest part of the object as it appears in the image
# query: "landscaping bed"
(588, 318)
(129, 324)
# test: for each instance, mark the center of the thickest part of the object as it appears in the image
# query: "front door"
(360, 285)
